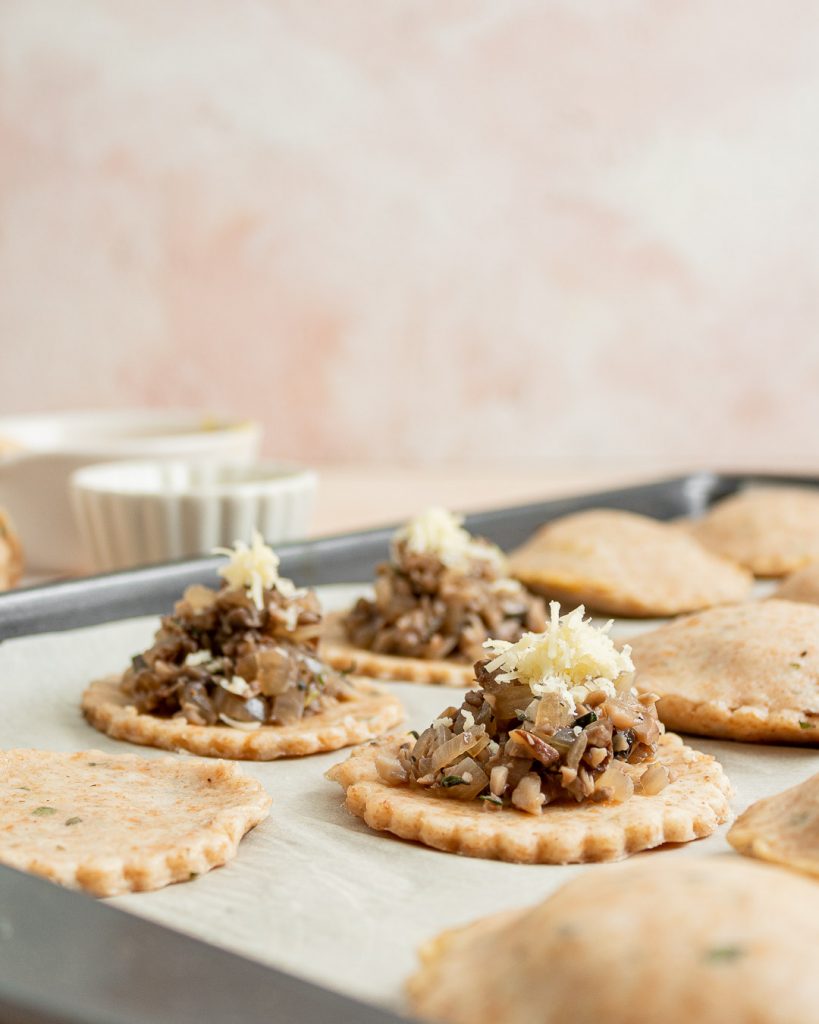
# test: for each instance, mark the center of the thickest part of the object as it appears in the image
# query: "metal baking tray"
(66, 957)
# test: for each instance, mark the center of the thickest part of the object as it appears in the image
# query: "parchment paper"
(313, 890)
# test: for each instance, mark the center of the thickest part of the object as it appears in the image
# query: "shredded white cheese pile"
(437, 531)
(571, 658)
(256, 568)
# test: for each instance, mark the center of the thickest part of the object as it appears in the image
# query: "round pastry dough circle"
(339, 653)
(690, 807)
(116, 823)
(370, 712)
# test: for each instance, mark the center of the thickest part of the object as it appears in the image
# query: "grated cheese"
(196, 658)
(469, 720)
(571, 658)
(255, 567)
(437, 531)
(236, 685)
(442, 721)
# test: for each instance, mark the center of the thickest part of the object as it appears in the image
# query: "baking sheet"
(314, 891)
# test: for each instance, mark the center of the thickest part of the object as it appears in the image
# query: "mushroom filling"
(508, 748)
(424, 608)
(236, 658)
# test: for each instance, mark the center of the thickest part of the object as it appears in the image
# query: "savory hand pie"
(770, 530)
(783, 828)
(11, 553)
(709, 940)
(802, 586)
(111, 824)
(552, 759)
(621, 563)
(236, 673)
(744, 672)
(441, 595)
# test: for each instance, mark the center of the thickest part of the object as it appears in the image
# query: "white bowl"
(136, 513)
(38, 454)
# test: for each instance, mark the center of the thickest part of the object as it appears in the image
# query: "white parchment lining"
(313, 890)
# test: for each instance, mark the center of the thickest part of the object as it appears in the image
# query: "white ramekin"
(39, 453)
(139, 513)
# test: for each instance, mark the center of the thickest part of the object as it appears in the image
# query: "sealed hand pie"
(770, 530)
(11, 553)
(744, 672)
(783, 828)
(802, 586)
(621, 563)
(701, 940)
(442, 594)
(552, 758)
(236, 673)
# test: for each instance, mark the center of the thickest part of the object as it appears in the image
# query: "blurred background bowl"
(137, 513)
(39, 453)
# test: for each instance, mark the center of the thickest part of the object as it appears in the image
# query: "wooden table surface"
(355, 497)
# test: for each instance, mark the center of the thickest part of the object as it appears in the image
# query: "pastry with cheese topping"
(439, 597)
(621, 563)
(237, 673)
(552, 758)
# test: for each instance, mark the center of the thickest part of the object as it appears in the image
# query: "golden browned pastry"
(700, 940)
(621, 563)
(770, 530)
(745, 672)
(11, 553)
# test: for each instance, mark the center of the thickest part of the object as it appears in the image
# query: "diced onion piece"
(527, 795)
(511, 699)
(654, 779)
(234, 723)
(288, 707)
(274, 671)
(621, 717)
(616, 782)
(303, 633)
(456, 747)
(475, 779)
(390, 769)
(497, 779)
(199, 597)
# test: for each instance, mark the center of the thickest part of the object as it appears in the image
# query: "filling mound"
(545, 724)
(442, 595)
(244, 656)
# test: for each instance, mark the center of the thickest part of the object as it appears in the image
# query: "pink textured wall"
(423, 230)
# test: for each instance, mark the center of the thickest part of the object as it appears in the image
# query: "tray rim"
(107, 597)
(59, 606)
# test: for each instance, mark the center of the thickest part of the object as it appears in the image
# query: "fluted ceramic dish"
(141, 513)
(38, 454)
